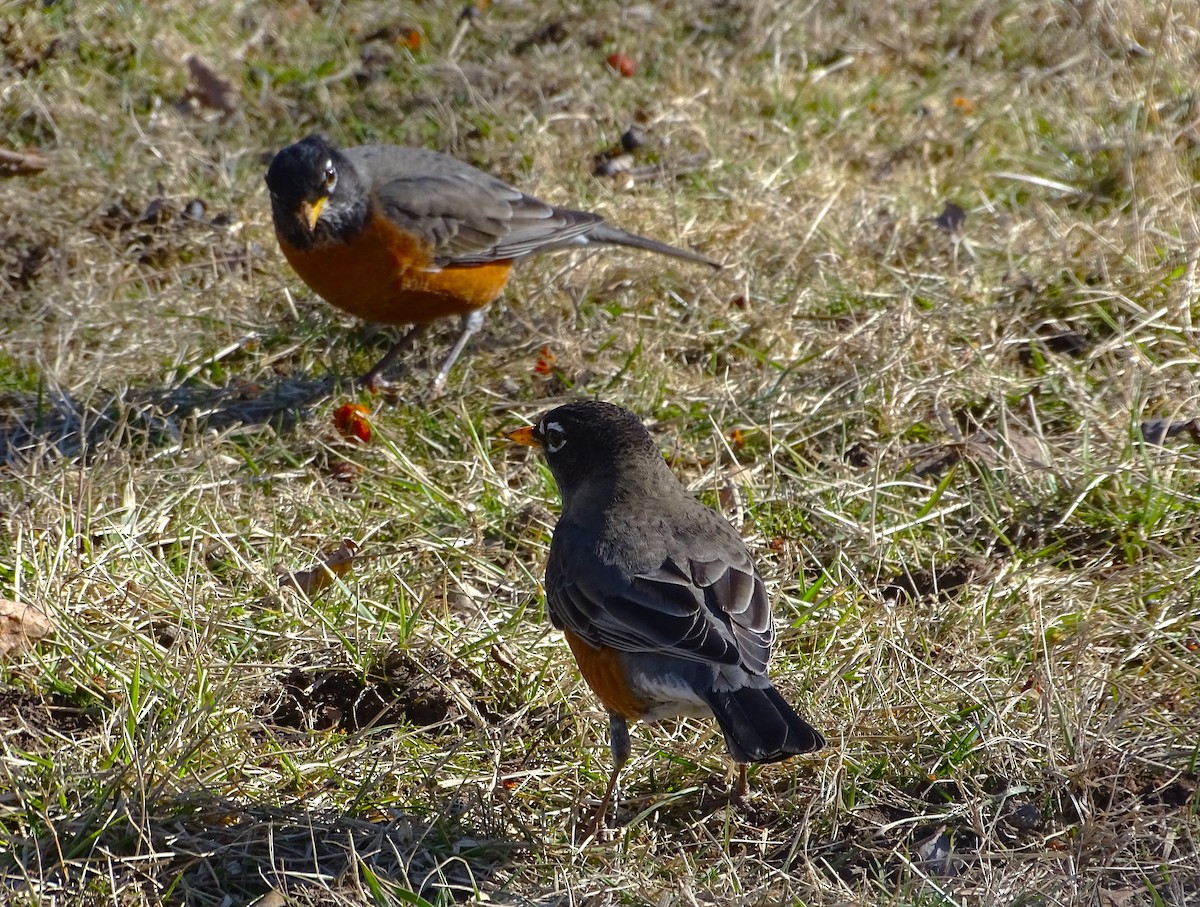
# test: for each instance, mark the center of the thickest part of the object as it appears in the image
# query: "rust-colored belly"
(602, 670)
(383, 275)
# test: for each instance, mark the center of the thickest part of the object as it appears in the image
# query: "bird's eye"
(330, 176)
(553, 437)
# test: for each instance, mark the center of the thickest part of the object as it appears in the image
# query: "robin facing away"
(656, 593)
(407, 236)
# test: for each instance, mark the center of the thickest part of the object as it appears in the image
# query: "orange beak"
(523, 436)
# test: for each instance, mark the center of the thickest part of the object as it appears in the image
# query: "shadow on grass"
(200, 848)
(57, 425)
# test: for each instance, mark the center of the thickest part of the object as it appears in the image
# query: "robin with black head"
(657, 595)
(408, 236)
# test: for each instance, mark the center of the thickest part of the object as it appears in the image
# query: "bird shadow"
(52, 423)
(124, 831)
(201, 849)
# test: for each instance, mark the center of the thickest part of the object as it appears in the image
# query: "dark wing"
(466, 215)
(711, 607)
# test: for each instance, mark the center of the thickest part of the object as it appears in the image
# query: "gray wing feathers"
(470, 217)
(701, 609)
(466, 215)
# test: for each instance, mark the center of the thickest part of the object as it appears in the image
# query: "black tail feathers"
(760, 726)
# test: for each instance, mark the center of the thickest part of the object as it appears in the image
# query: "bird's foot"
(596, 829)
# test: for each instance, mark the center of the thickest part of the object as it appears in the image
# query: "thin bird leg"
(471, 324)
(743, 783)
(372, 380)
(618, 738)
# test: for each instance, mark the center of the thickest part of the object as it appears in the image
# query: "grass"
(937, 443)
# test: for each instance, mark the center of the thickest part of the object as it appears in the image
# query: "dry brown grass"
(987, 582)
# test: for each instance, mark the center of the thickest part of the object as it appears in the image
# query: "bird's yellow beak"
(523, 436)
(310, 213)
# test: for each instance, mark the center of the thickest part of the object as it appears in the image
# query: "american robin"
(407, 236)
(656, 594)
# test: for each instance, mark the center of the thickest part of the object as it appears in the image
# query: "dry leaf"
(209, 88)
(21, 625)
(352, 420)
(1120, 897)
(271, 899)
(336, 563)
(545, 362)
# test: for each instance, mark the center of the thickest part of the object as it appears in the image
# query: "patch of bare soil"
(1048, 821)
(34, 722)
(166, 234)
(23, 256)
(946, 581)
(425, 692)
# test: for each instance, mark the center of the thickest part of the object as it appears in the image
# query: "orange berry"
(622, 63)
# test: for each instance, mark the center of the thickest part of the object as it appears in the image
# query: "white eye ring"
(330, 176)
(555, 437)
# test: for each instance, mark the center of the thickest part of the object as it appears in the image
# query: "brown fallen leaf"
(334, 564)
(352, 420)
(209, 88)
(21, 163)
(21, 625)
(271, 899)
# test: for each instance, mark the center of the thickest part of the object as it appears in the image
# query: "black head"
(308, 180)
(591, 440)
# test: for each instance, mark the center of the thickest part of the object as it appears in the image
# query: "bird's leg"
(743, 783)
(471, 325)
(372, 380)
(618, 737)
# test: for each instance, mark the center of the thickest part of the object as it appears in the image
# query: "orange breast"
(604, 673)
(384, 275)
